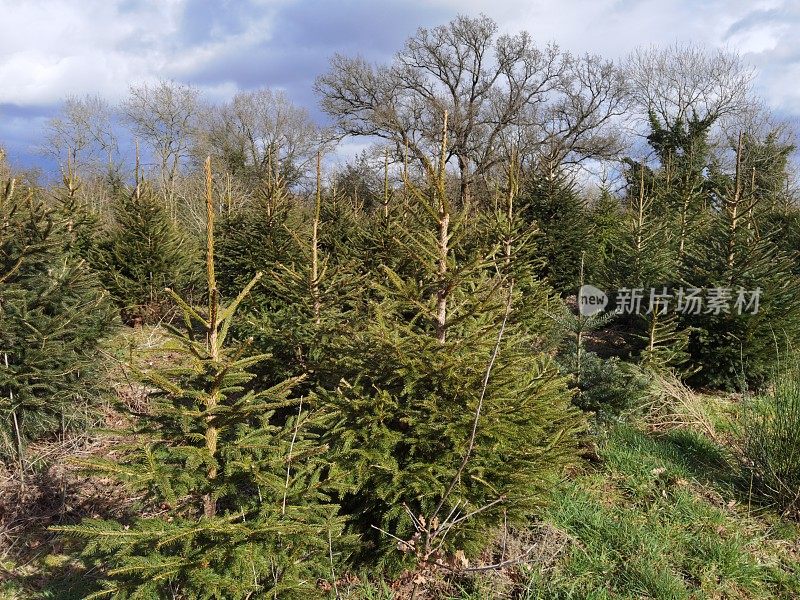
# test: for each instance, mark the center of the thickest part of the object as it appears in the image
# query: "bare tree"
(259, 133)
(82, 135)
(492, 86)
(163, 116)
(578, 120)
(681, 82)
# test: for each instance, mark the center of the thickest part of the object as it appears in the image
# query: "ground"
(656, 510)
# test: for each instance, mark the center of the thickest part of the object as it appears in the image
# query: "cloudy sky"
(53, 48)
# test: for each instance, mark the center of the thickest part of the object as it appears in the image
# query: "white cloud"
(53, 48)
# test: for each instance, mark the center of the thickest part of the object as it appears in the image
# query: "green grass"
(660, 520)
(658, 516)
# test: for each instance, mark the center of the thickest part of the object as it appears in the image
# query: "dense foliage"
(245, 493)
(143, 253)
(53, 317)
(392, 361)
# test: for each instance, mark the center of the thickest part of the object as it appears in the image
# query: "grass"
(659, 520)
(661, 516)
(771, 445)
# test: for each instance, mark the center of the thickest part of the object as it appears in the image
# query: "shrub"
(770, 442)
(603, 386)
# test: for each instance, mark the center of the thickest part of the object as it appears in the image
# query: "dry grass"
(672, 405)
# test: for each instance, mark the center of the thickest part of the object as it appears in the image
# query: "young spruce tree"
(553, 202)
(447, 423)
(144, 253)
(244, 511)
(53, 315)
(736, 340)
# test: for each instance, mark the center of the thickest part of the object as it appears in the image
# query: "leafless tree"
(164, 116)
(257, 133)
(680, 82)
(492, 86)
(82, 135)
(578, 120)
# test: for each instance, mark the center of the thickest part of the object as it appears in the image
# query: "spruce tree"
(551, 200)
(243, 492)
(377, 243)
(680, 188)
(53, 316)
(606, 228)
(314, 287)
(261, 237)
(142, 254)
(445, 421)
(604, 386)
(516, 256)
(737, 347)
(766, 168)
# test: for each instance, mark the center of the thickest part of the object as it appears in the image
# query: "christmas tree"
(552, 201)
(53, 316)
(142, 254)
(751, 311)
(446, 422)
(243, 492)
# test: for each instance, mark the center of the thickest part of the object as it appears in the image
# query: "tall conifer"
(243, 491)
(445, 422)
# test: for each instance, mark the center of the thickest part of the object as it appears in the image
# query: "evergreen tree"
(377, 243)
(321, 292)
(766, 165)
(445, 421)
(665, 343)
(258, 237)
(511, 241)
(244, 493)
(142, 255)
(606, 227)
(314, 287)
(646, 261)
(603, 386)
(53, 315)
(729, 349)
(765, 168)
(552, 201)
(646, 252)
(81, 224)
(358, 182)
(782, 227)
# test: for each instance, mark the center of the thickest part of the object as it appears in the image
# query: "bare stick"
(479, 408)
(289, 461)
(409, 545)
(333, 571)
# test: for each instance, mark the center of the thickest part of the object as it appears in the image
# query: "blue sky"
(53, 48)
